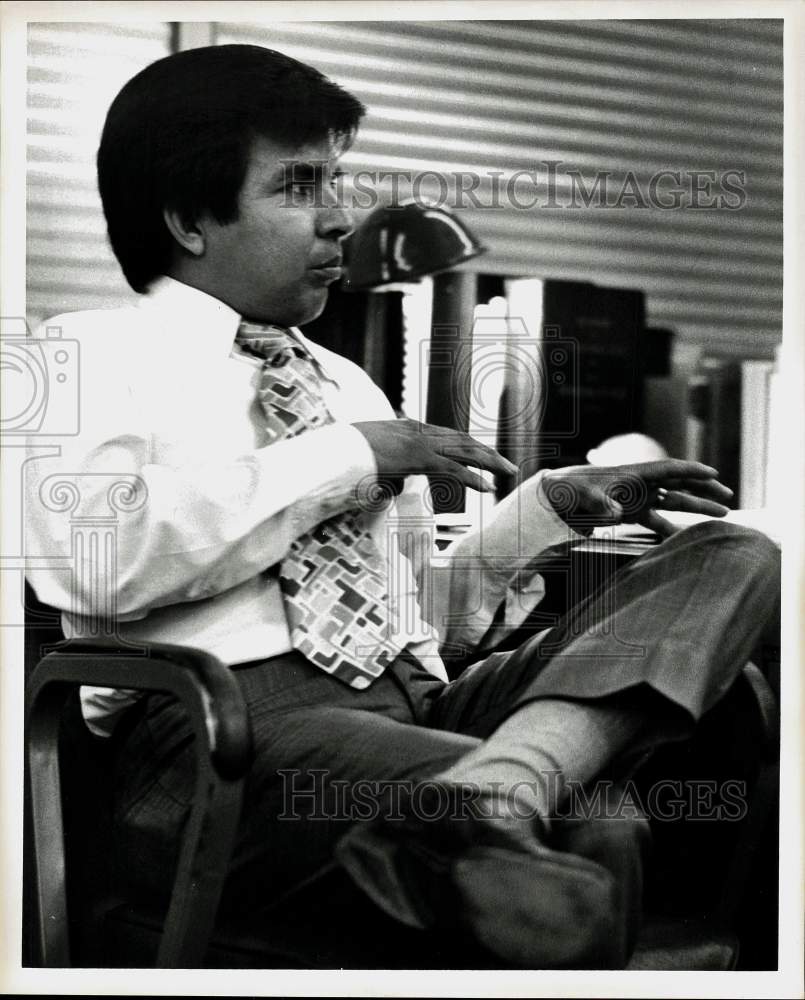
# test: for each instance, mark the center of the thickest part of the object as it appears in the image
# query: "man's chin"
(299, 313)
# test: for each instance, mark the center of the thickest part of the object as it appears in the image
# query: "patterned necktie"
(333, 580)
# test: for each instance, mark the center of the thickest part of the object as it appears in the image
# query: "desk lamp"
(405, 242)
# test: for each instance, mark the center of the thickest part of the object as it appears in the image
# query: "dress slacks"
(680, 622)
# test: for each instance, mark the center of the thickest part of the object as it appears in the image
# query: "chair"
(76, 917)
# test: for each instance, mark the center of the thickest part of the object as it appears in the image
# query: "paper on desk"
(764, 520)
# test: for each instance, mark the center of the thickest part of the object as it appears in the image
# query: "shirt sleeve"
(494, 566)
(172, 533)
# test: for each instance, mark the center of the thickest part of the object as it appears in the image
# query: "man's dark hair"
(179, 135)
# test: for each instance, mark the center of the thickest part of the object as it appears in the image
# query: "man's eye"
(302, 191)
(310, 190)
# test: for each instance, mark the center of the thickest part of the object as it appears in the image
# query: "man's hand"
(586, 496)
(405, 447)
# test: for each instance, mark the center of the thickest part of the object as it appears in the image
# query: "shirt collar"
(188, 312)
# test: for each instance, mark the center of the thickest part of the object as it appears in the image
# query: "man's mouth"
(329, 269)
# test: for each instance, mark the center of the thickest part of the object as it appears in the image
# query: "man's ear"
(189, 235)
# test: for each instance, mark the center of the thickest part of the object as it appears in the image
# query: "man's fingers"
(684, 478)
(712, 489)
(468, 451)
(651, 519)
(675, 500)
(435, 429)
(455, 473)
(407, 447)
(668, 468)
(482, 459)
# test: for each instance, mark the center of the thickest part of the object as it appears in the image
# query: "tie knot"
(276, 344)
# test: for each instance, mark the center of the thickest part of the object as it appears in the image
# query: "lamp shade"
(404, 243)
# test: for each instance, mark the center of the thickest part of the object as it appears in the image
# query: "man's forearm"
(195, 530)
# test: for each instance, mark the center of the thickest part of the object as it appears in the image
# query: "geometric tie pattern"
(333, 580)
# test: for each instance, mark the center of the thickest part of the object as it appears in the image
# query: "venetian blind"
(616, 96)
(74, 72)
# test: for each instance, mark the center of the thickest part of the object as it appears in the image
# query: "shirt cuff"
(523, 525)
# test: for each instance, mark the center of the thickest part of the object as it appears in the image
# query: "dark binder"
(592, 369)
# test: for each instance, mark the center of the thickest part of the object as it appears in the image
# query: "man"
(279, 520)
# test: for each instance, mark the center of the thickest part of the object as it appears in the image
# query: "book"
(714, 418)
(697, 418)
(756, 384)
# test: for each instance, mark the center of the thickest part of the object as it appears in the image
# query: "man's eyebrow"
(300, 171)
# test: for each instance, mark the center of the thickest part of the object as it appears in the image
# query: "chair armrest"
(223, 746)
(197, 679)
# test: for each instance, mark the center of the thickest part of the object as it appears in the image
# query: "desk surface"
(764, 520)
(626, 539)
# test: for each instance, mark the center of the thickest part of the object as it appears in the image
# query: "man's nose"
(334, 218)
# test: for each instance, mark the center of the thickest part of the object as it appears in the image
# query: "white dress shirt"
(168, 407)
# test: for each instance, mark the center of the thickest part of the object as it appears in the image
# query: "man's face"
(276, 261)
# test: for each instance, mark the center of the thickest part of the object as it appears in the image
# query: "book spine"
(755, 410)
(697, 421)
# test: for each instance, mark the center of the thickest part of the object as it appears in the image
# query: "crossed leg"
(638, 662)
